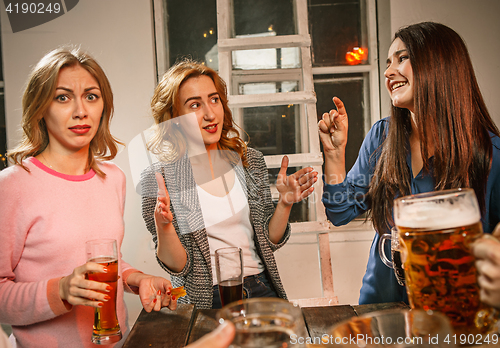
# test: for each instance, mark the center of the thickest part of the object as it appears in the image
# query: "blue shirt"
(344, 202)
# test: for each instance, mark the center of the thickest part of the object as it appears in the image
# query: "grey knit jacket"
(196, 277)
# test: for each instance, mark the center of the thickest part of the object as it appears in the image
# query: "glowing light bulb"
(356, 56)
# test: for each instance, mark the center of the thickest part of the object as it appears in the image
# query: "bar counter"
(178, 328)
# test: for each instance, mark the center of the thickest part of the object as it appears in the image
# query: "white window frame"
(310, 155)
(306, 97)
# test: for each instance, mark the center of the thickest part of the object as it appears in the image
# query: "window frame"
(311, 155)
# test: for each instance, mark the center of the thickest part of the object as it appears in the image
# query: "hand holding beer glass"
(436, 230)
(106, 327)
(229, 269)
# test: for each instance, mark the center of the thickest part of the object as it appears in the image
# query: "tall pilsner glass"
(106, 327)
(436, 231)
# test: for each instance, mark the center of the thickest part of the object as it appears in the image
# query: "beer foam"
(432, 216)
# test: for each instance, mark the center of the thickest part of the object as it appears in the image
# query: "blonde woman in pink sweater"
(60, 193)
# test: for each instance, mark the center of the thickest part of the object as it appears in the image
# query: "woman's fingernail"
(154, 301)
(107, 298)
(109, 288)
(173, 298)
(168, 292)
(159, 292)
(100, 304)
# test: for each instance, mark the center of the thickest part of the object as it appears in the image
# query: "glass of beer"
(436, 230)
(396, 263)
(229, 269)
(393, 328)
(265, 322)
(106, 328)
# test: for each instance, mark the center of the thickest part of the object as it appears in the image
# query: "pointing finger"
(162, 189)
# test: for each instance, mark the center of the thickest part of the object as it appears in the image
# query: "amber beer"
(106, 329)
(105, 319)
(436, 232)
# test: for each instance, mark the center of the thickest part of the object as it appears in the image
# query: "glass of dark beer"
(106, 327)
(229, 269)
(395, 262)
(436, 230)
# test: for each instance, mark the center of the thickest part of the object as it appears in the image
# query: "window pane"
(192, 31)
(273, 130)
(269, 58)
(336, 27)
(350, 89)
(262, 16)
(268, 87)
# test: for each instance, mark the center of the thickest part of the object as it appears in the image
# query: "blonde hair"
(38, 96)
(165, 106)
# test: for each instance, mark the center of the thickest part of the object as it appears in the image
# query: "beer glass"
(396, 263)
(393, 328)
(436, 230)
(106, 328)
(229, 269)
(265, 322)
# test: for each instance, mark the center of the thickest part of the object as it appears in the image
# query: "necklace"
(45, 160)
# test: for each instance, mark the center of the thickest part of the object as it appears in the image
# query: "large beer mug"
(436, 231)
(395, 262)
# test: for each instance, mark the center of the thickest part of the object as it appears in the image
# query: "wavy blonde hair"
(38, 96)
(165, 106)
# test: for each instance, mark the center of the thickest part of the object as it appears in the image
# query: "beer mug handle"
(381, 250)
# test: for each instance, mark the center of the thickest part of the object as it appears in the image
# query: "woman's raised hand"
(163, 214)
(294, 188)
(333, 127)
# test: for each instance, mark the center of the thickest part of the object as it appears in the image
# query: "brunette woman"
(439, 136)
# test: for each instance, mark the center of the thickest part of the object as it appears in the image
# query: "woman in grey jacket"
(209, 190)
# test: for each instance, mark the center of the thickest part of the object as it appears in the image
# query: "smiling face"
(73, 116)
(399, 76)
(199, 95)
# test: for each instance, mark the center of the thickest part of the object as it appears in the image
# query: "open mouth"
(397, 85)
(211, 128)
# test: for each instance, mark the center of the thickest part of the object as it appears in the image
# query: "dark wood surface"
(185, 325)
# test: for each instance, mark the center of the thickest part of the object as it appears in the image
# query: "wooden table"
(185, 325)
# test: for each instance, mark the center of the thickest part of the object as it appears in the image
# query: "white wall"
(119, 35)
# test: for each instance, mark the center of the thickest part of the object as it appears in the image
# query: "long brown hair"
(449, 109)
(38, 95)
(165, 106)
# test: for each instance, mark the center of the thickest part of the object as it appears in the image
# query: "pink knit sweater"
(46, 218)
